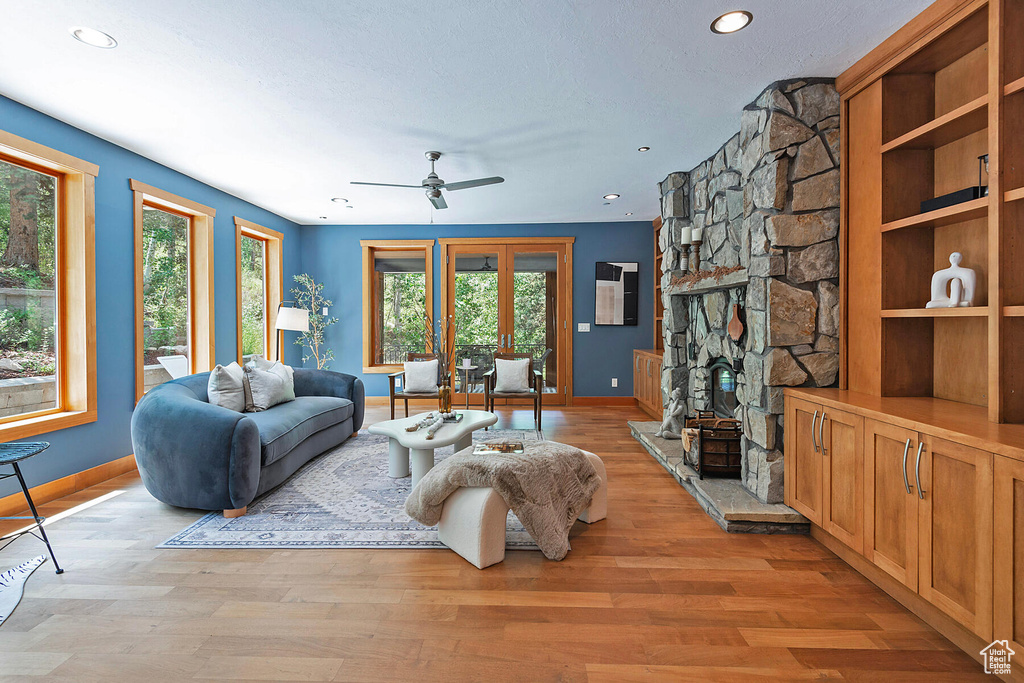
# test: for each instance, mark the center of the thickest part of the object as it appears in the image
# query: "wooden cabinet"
(647, 381)
(954, 494)
(890, 506)
(1008, 550)
(823, 468)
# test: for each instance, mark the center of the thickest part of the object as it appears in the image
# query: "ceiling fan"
(433, 185)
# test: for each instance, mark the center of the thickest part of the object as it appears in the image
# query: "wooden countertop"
(959, 422)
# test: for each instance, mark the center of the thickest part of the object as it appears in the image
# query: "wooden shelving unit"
(659, 306)
(915, 129)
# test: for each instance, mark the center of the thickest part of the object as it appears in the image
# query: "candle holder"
(695, 251)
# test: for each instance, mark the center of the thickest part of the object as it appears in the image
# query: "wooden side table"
(11, 454)
(466, 369)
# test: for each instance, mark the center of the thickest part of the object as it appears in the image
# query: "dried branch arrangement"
(441, 341)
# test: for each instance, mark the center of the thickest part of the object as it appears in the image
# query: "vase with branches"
(309, 295)
(441, 341)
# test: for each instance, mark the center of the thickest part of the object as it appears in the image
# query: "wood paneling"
(647, 381)
(955, 531)
(961, 360)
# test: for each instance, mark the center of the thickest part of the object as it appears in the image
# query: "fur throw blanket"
(548, 487)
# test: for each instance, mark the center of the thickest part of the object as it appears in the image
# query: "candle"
(685, 234)
(698, 235)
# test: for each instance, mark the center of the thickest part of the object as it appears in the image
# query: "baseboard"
(617, 401)
(65, 486)
(928, 613)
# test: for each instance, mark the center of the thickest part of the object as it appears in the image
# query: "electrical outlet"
(325, 310)
(615, 382)
(583, 327)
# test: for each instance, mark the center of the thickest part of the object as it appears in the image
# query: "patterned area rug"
(12, 585)
(342, 499)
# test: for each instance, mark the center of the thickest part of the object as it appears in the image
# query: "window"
(259, 288)
(47, 289)
(397, 297)
(173, 287)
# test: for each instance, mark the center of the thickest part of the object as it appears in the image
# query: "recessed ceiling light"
(91, 36)
(611, 196)
(730, 22)
(323, 218)
(629, 213)
(643, 149)
(339, 200)
(350, 207)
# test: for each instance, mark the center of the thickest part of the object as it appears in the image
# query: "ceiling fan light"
(731, 22)
(91, 36)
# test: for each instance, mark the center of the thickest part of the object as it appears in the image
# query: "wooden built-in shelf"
(958, 213)
(961, 122)
(1014, 87)
(1013, 311)
(1014, 195)
(959, 312)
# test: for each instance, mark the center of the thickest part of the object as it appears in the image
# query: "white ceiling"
(283, 102)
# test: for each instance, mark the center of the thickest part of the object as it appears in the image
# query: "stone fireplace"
(768, 204)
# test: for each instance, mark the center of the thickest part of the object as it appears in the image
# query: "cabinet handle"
(917, 472)
(906, 450)
(814, 423)
(821, 432)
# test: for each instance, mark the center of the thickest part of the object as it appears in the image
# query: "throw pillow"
(286, 372)
(224, 387)
(512, 376)
(421, 377)
(265, 389)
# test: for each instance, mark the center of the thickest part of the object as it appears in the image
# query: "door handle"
(814, 422)
(917, 471)
(821, 433)
(906, 450)
(502, 341)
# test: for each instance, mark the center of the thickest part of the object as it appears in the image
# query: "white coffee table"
(402, 444)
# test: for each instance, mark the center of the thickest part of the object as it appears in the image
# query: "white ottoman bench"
(473, 519)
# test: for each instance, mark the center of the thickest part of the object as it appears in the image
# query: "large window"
(397, 297)
(47, 291)
(259, 285)
(174, 287)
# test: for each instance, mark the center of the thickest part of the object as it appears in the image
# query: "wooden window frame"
(200, 278)
(75, 340)
(370, 248)
(273, 280)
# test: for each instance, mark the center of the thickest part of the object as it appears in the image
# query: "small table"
(10, 454)
(401, 442)
(466, 369)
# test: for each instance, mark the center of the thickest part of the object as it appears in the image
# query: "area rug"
(12, 585)
(342, 499)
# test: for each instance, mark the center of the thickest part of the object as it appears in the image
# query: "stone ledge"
(738, 278)
(725, 500)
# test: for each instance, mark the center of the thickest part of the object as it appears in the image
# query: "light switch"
(583, 327)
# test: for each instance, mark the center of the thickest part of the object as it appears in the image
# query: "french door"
(509, 296)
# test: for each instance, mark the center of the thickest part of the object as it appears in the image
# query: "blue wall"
(331, 253)
(79, 448)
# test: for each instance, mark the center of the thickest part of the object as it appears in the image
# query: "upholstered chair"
(399, 394)
(535, 392)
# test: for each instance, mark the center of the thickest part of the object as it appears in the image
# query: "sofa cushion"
(286, 425)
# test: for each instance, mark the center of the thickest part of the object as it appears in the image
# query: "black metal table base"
(36, 528)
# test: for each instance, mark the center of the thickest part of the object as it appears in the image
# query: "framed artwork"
(618, 293)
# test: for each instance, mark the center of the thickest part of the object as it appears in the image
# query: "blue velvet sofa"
(194, 454)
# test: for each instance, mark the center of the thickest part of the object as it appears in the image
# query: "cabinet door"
(841, 439)
(890, 500)
(637, 387)
(803, 460)
(954, 487)
(1008, 590)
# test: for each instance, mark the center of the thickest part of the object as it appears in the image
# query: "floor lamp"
(289, 318)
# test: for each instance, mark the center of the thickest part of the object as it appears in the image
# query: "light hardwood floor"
(655, 592)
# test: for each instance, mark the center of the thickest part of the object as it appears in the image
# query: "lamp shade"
(296, 319)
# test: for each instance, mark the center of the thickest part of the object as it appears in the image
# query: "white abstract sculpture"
(961, 283)
(675, 415)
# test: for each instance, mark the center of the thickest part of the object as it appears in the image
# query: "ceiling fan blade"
(354, 182)
(438, 201)
(466, 184)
